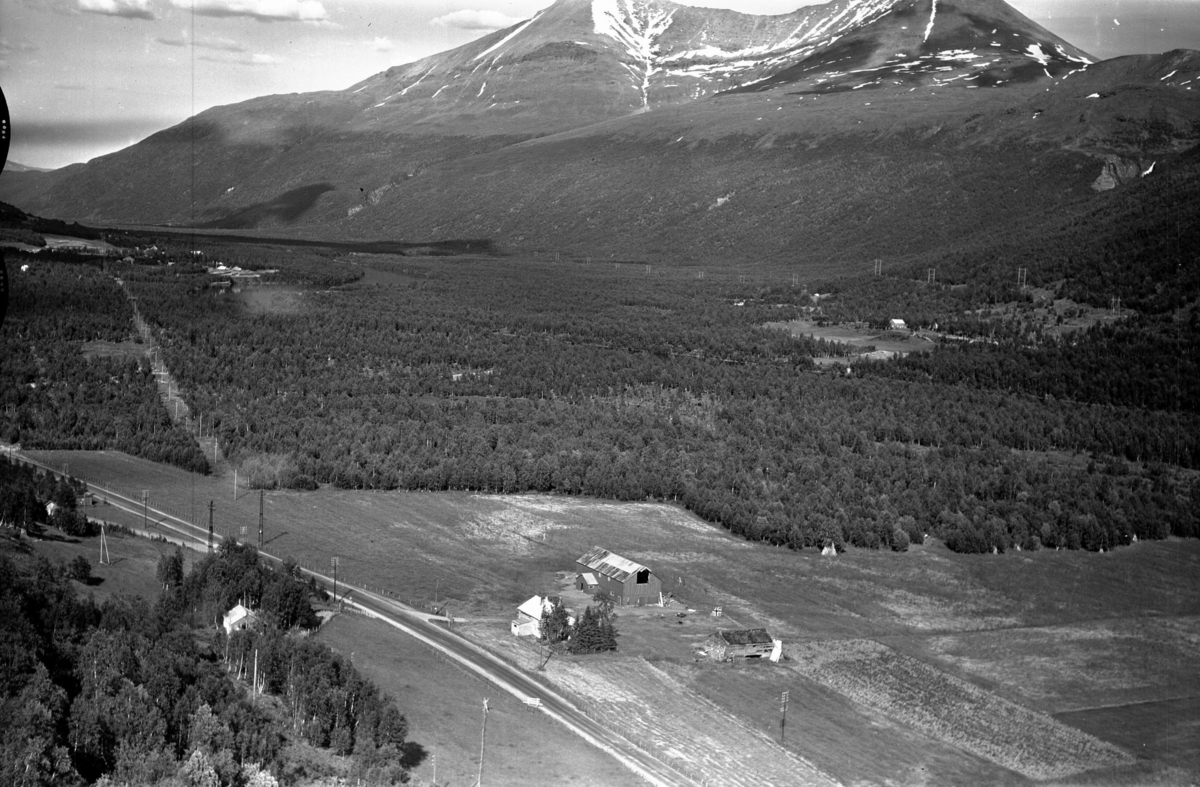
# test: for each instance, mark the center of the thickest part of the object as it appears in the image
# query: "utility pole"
(261, 494)
(783, 703)
(333, 562)
(145, 498)
(105, 557)
(482, 744)
(210, 527)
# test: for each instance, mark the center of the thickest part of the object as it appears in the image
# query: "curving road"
(417, 624)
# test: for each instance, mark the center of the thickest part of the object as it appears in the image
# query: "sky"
(88, 77)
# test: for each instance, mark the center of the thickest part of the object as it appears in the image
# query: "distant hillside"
(15, 166)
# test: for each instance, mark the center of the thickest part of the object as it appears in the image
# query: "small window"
(643, 577)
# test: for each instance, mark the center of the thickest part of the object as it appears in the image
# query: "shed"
(239, 618)
(623, 580)
(897, 325)
(586, 580)
(742, 644)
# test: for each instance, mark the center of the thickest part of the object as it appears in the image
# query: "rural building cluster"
(602, 573)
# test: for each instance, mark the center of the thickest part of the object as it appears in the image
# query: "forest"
(145, 693)
(57, 394)
(631, 382)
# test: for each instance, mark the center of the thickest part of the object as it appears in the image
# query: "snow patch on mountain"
(636, 26)
(414, 84)
(1034, 50)
(508, 37)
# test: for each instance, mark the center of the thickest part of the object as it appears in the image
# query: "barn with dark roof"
(621, 579)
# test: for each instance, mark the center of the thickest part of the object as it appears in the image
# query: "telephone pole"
(333, 562)
(783, 703)
(482, 744)
(210, 527)
(261, 494)
(105, 557)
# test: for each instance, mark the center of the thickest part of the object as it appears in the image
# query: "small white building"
(529, 616)
(238, 619)
(897, 325)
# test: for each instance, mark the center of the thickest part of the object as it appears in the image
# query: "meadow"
(1056, 638)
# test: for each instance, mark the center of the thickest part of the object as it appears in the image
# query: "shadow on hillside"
(286, 208)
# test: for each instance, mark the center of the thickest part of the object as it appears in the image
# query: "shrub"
(80, 569)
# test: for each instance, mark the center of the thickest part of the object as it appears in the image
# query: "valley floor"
(925, 667)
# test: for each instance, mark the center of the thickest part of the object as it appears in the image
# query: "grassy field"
(1040, 633)
(131, 572)
(893, 341)
(443, 703)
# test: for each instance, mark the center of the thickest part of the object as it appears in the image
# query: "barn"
(626, 582)
(743, 644)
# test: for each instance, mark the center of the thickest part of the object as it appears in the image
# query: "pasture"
(1045, 639)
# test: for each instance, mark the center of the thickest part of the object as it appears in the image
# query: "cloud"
(129, 9)
(219, 44)
(243, 60)
(7, 46)
(262, 10)
(476, 20)
(381, 44)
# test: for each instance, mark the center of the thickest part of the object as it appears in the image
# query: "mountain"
(646, 129)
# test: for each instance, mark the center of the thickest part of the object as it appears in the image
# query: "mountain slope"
(642, 128)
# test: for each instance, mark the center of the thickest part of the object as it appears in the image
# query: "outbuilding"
(621, 579)
(741, 644)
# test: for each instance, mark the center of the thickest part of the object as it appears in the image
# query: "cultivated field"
(953, 710)
(938, 658)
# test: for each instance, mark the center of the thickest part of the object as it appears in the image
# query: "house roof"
(747, 637)
(535, 605)
(610, 565)
(236, 614)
